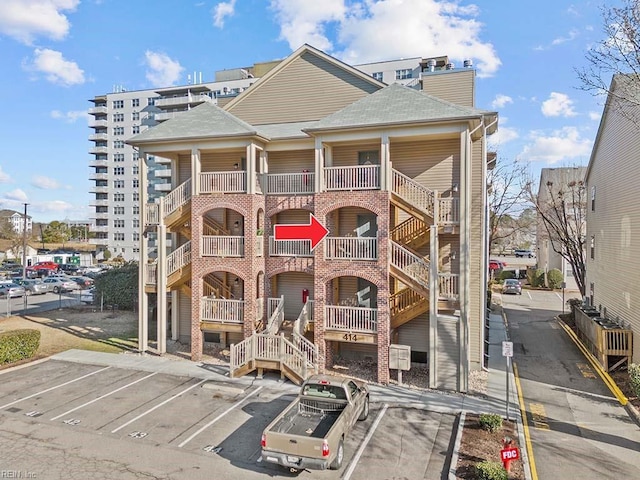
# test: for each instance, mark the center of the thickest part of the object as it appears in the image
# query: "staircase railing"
(299, 340)
(409, 230)
(212, 227)
(213, 285)
(176, 198)
(276, 318)
(179, 258)
(403, 299)
(412, 192)
(411, 264)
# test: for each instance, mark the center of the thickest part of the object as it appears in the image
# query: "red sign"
(314, 232)
(511, 453)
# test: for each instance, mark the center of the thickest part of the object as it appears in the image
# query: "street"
(578, 429)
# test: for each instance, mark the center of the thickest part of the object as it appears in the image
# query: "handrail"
(412, 191)
(221, 310)
(180, 257)
(415, 267)
(408, 230)
(215, 283)
(176, 198)
(276, 319)
(404, 299)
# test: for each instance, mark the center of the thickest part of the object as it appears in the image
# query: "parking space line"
(363, 445)
(102, 396)
(53, 388)
(530, 297)
(219, 417)
(157, 406)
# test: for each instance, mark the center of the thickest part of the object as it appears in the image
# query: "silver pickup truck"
(310, 432)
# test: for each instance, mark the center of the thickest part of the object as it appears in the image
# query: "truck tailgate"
(293, 445)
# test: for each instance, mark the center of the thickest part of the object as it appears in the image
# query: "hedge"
(18, 345)
(554, 278)
(491, 471)
(634, 378)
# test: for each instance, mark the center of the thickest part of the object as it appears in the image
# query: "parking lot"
(105, 419)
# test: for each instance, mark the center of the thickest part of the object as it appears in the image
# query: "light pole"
(24, 242)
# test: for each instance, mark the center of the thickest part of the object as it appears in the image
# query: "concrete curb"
(456, 447)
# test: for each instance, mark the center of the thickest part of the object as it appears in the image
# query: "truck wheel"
(364, 413)
(337, 462)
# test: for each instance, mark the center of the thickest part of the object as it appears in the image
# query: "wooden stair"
(412, 233)
(406, 305)
(411, 209)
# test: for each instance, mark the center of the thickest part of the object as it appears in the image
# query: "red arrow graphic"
(314, 232)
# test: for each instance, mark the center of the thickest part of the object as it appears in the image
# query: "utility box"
(399, 357)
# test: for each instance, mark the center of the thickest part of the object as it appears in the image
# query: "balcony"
(222, 246)
(96, 189)
(359, 177)
(351, 319)
(98, 163)
(98, 124)
(223, 182)
(100, 229)
(97, 150)
(98, 176)
(289, 248)
(351, 248)
(449, 286)
(162, 187)
(152, 214)
(162, 116)
(184, 100)
(96, 137)
(98, 110)
(448, 211)
(99, 203)
(98, 241)
(162, 173)
(221, 310)
(289, 183)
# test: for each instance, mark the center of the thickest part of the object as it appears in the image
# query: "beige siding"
(291, 284)
(476, 309)
(357, 351)
(184, 317)
(447, 353)
(294, 161)
(184, 168)
(309, 88)
(434, 164)
(454, 87)
(221, 162)
(615, 223)
(348, 221)
(415, 334)
(347, 155)
(292, 217)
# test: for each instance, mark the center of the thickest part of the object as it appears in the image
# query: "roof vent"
(431, 64)
(449, 66)
(468, 63)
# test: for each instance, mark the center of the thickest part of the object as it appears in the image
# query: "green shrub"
(18, 344)
(118, 286)
(634, 378)
(491, 471)
(505, 274)
(536, 278)
(490, 421)
(554, 278)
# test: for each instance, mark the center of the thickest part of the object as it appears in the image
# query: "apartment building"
(395, 174)
(17, 220)
(613, 217)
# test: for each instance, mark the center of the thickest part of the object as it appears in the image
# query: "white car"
(59, 284)
(87, 296)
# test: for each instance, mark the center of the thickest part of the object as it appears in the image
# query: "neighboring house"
(561, 179)
(613, 218)
(396, 175)
(16, 220)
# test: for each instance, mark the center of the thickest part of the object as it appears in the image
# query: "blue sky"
(58, 54)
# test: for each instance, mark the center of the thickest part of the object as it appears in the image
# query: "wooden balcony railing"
(289, 183)
(223, 182)
(448, 211)
(351, 319)
(358, 177)
(221, 310)
(414, 266)
(222, 246)
(150, 273)
(152, 214)
(289, 248)
(412, 192)
(351, 248)
(449, 286)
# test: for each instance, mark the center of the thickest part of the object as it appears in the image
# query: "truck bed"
(309, 418)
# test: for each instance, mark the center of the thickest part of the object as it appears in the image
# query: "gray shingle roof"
(395, 104)
(275, 131)
(206, 120)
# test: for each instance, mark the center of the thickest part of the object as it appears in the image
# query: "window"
(377, 76)
(135, 156)
(118, 224)
(118, 157)
(118, 171)
(118, 237)
(118, 131)
(593, 247)
(136, 197)
(118, 144)
(136, 237)
(118, 117)
(136, 223)
(118, 184)
(118, 104)
(118, 210)
(136, 210)
(135, 170)
(118, 197)
(135, 116)
(151, 101)
(404, 73)
(136, 250)
(135, 129)
(136, 183)
(593, 198)
(135, 102)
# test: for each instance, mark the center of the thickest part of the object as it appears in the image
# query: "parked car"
(87, 296)
(83, 282)
(52, 266)
(69, 268)
(511, 285)
(11, 290)
(496, 264)
(59, 284)
(522, 253)
(32, 286)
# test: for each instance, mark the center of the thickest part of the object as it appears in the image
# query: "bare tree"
(614, 63)
(506, 199)
(562, 208)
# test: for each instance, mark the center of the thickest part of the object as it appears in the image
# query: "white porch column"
(143, 299)
(321, 161)
(161, 289)
(465, 268)
(385, 163)
(434, 293)
(196, 168)
(251, 168)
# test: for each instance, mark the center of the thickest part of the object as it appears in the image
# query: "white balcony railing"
(411, 264)
(152, 214)
(223, 182)
(351, 319)
(98, 124)
(272, 305)
(96, 150)
(289, 248)
(289, 183)
(177, 197)
(449, 286)
(221, 310)
(150, 273)
(359, 177)
(182, 100)
(179, 258)
(412, 192)
(351, 248)
(101, 110)
(222, 246)
(99, 137)
(448, 211)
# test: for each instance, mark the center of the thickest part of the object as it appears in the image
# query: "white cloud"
(26, 19)
(45, 183)
(573, 33)
(501, 100)
(71, 116)
(56, 68)
(222, 11)
(503, 135)
(558, 105)
(419, 28)
(53, 206)
(4, 177)
(561, 145)
(594, 115)
(162, 70)
(16, 195)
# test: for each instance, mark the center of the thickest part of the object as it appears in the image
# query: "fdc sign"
(509, 454)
